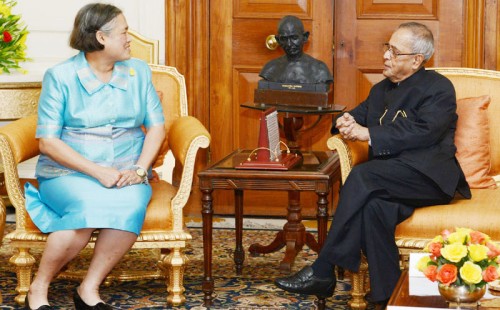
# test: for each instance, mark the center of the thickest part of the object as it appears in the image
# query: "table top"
(312, 161)
(295, 109)
(401, 297)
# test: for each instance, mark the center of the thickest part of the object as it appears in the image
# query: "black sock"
(323, 269)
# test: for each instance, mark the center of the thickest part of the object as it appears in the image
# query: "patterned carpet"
(252, 290)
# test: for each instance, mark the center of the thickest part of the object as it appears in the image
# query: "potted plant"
(462, 261)
(12, 38)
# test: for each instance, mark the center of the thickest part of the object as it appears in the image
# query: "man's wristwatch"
(142, 173)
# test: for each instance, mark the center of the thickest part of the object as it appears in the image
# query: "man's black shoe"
(305, 282)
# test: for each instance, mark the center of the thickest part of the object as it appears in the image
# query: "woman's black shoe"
(27, 305)
(81, 305)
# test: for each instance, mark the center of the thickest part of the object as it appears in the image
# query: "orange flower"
(477, 237)
(435, 248)
(494, 250)
(490, 274)
(431, 272)
(447, 274)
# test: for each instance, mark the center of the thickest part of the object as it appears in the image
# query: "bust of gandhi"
(295, 66)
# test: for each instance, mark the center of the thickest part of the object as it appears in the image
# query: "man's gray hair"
(423, 42)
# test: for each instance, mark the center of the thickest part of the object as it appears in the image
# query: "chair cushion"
(158, 215)
(472, 139)
(479, 213)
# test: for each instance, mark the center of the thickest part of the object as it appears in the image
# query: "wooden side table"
(317, 172)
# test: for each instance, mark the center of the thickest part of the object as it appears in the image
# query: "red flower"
(447, 274)
(7, 37)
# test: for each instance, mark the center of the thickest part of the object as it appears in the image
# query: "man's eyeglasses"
(395, 53)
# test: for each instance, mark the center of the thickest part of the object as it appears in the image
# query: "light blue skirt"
(78, 201)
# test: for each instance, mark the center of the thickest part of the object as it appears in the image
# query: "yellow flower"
(459, 236)
(438, 239)
(471, 273)
(132, 72)
(454, 252)
(463, 230)
(4, 9)
(478, 252)
(422, 263)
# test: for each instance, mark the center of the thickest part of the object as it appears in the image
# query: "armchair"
(479, 213)
(25, 105)
(164, 224)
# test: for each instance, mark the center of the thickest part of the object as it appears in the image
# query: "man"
(295, 66)
(409, 121)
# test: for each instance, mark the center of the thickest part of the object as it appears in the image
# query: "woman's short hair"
(90, 19)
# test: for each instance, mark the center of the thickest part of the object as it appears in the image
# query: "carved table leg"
(322, 217)
(292, 236)
(207, 213)
(239, 252)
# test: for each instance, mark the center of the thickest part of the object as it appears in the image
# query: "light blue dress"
(102, 122)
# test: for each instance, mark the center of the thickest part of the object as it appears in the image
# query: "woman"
(94, 153)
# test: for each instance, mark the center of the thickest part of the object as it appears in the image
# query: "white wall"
(50, 22)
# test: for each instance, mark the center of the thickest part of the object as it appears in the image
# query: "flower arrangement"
(462, 257)
(12, 38)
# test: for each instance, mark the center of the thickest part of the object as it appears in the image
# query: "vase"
(461, 293)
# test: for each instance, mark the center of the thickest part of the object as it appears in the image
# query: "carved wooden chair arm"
(185, 137)
(17, 144)
(350, 153)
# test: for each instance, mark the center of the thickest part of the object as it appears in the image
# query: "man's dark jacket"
(415, 121)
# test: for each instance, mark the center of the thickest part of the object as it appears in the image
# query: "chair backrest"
(144, 48)
(470, 82)
(171, 88)
(18, 100)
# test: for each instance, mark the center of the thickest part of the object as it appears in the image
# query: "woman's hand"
(108, 176)
(128, 177)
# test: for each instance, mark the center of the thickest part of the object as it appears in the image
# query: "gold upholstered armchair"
(163, 229)
(477, 122)
(14, 105)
